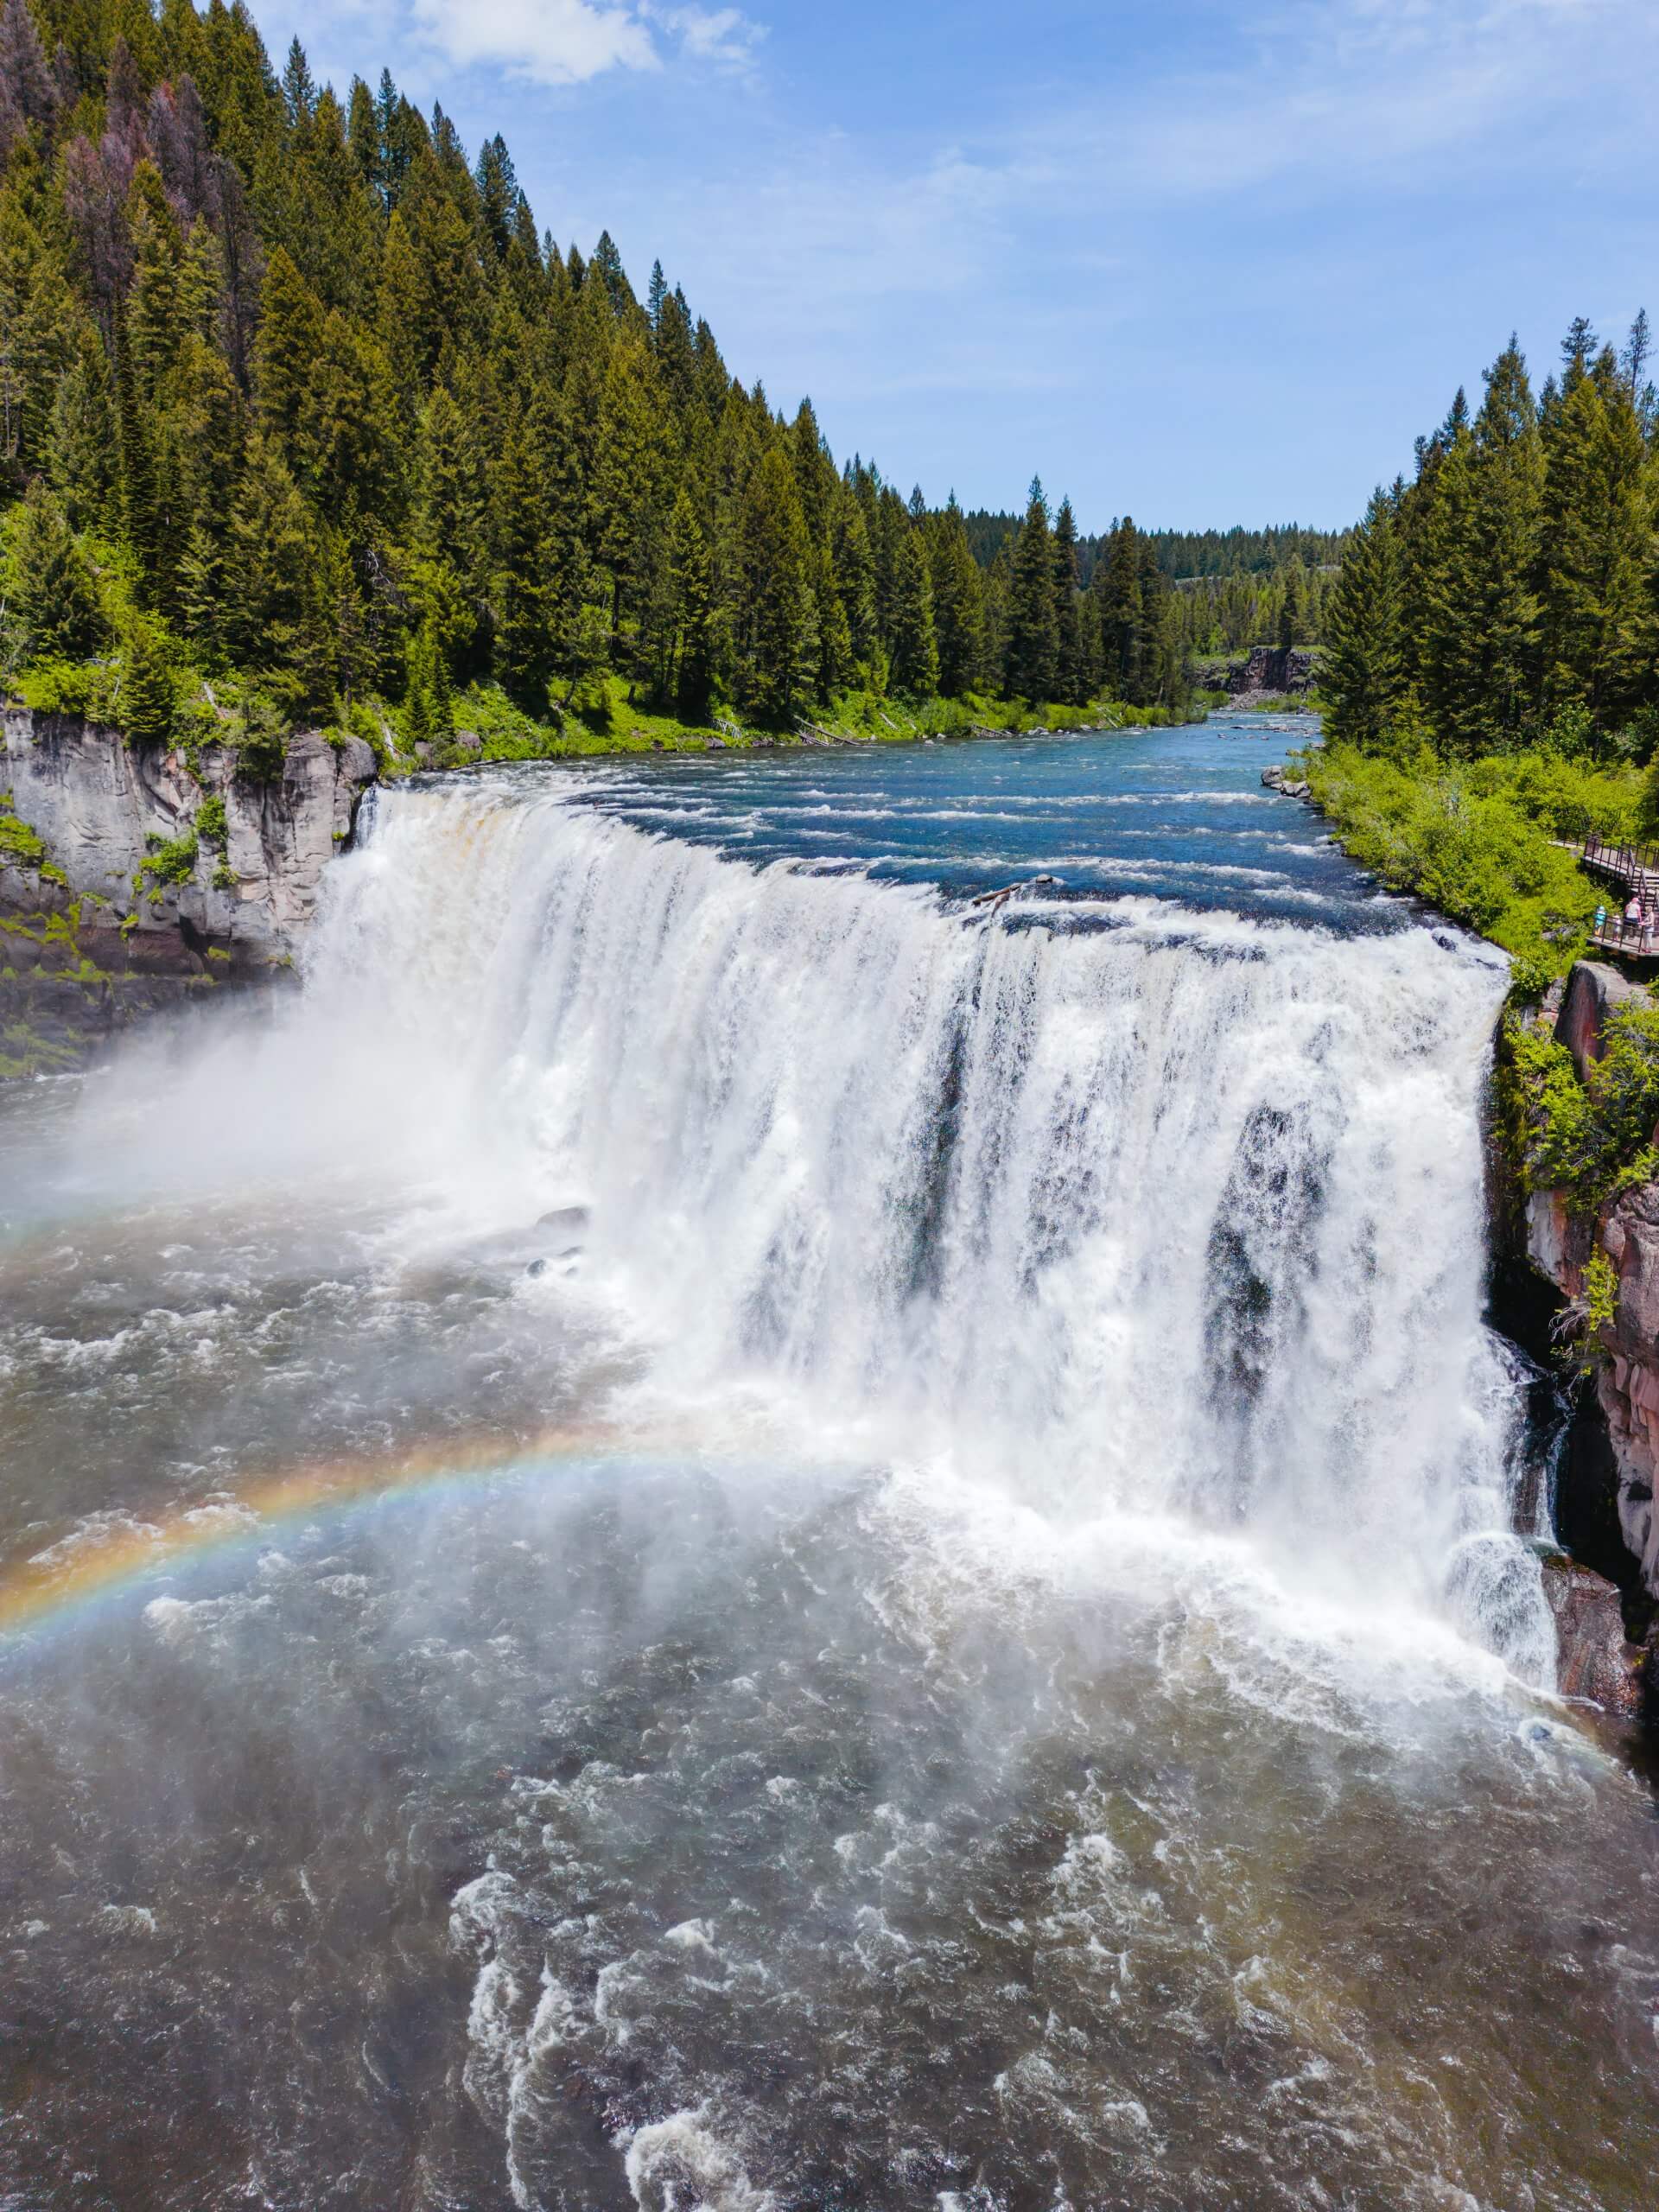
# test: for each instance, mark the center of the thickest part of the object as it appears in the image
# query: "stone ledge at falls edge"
(84, 952)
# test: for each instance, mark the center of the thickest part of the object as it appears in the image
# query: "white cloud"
(722, 34)
(569, 42)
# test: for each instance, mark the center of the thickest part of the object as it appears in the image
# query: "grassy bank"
(1484, 840)
(613, 722)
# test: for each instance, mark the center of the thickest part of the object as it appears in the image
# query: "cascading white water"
(1173, 1214)
(957, 1643)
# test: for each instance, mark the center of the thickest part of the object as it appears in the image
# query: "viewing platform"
(1633, 871)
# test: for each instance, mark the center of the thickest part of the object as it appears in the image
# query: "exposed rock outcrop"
(152, 876)
(1266, 672)
(1615, 1456)
(1593, 991)
(1595, 1658)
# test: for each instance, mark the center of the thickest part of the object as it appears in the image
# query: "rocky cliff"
(1604, 1599)
(1559, 1246)
(134, 879)
(1265, 672)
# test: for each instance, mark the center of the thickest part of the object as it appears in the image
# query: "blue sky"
(1205, 262)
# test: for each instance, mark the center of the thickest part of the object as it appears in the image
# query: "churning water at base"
(744, 1536)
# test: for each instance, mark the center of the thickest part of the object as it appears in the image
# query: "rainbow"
(69, 1578)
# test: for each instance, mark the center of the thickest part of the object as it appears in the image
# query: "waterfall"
(1127, 1211)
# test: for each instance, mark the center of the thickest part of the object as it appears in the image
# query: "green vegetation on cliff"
(306, 420)
(1591, 1139)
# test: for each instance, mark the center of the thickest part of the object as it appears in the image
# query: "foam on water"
(1181, 1213)
(1021, 1690)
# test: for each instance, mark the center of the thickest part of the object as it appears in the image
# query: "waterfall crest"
(1128, 1211)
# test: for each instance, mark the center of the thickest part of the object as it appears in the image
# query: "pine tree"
(915, 648)
(836, 669)
(498, 195)
(299, 87)
(1071, 682)
(148, 695)
(854, 569)
(143, 499)
(261, 619)
(53, 590)
(1595, 542)
(429, 700)
(959, 602)
(687, 633)
(1481, 617)
(290, 338)
(81, 445)
(159, 311)
(1033, 630)
(1118, 590)
(1364, 674)
(1292, 608)
(777, 632)
(523, 591)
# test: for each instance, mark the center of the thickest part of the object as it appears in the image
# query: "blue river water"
(722, 1536)
(1177, 814)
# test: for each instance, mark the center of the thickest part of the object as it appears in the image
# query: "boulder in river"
(1594, 1660)
(565, 1221)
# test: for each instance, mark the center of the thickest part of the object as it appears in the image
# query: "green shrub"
(89, 689)
(1480, 841)
(1593, 1139)
(171, 861)
(22, 846)
(1579, 1327)
(261, 740)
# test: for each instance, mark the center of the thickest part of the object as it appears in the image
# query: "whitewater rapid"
(1120, 1208)
(715, 1529)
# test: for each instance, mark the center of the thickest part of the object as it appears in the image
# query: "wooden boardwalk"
(1633, 873)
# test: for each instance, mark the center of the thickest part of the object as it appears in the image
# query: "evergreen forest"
(1508, 591)
(304, 419)
(1491, 670)
(1236, 588)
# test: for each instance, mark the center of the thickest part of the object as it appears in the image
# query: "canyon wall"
(134, 879)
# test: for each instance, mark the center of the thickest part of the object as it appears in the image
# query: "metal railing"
(1637, 865)
(1638, 940)
(1635, 869)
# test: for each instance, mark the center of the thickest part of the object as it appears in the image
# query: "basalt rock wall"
(106, 915)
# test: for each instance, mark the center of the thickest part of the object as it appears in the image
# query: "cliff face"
(1602, 1595)
(1269, 671)
(106, 913)
(1560, 1247)
(1628, 1387)
(1604, 1582)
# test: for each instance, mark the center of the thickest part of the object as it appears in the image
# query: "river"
(716, 1528)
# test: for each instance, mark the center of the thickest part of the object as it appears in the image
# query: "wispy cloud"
(569, 42)
(1250, 244)
(724, 35)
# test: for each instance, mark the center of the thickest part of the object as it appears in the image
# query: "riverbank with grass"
(489, 726)
(1485, 841)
